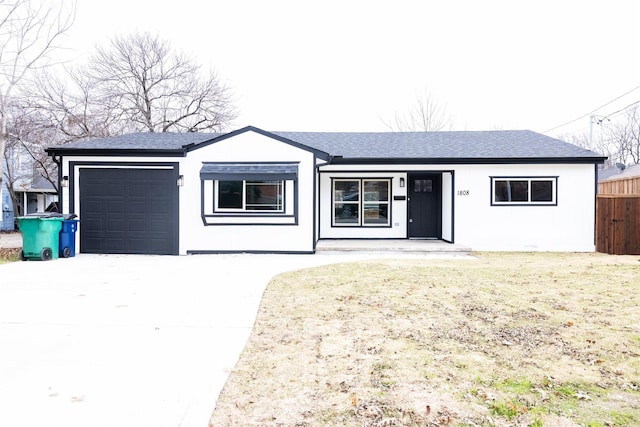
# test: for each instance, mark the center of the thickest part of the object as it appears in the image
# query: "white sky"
(347, 65)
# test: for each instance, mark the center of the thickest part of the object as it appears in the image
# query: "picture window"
(239, 196)
(361, 202)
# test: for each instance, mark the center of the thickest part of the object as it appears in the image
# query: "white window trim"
(529, 179)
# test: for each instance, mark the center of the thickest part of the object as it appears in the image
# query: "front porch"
(417, 246)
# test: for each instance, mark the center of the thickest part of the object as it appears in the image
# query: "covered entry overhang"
(413, 201)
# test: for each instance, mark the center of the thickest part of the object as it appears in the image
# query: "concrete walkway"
(128, 340)
(10, 239)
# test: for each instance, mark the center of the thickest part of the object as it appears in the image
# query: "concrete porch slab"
(423, 246)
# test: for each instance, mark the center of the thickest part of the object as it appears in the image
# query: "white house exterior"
(280, 192)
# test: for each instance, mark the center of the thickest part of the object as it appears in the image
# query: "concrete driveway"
(127, 340)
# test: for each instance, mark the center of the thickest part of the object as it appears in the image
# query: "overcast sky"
(351, 65)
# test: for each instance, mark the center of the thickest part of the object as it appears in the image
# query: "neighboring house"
(31, 189)
(608, 172)
(6, 209)
(256, 191)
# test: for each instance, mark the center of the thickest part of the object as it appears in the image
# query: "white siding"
(246, 147)
(569, 226)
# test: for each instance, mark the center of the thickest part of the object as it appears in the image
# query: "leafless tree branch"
(157, 89)
(30, 31)
(427, 114)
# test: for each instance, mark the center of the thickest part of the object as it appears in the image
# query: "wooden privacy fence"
(618, 224)
(629, 185)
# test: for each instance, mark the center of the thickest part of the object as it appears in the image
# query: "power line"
(622, 109)
(600, 107)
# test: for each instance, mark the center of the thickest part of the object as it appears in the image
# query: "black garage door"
(128, 211)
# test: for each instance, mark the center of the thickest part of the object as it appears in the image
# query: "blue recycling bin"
(67, 238)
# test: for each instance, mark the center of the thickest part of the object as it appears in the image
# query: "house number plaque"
(463, 192)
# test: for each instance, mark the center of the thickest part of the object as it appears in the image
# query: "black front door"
(425, 205)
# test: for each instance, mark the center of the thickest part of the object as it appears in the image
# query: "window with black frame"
(524, 191)
(243, 193)
(239, 196)
(360, 202)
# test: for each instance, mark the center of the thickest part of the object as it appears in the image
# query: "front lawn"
(500, 340)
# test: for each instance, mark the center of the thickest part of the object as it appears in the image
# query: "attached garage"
(128, 210)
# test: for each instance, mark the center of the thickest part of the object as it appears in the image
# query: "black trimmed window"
(249, 190)
(240, 196)
(524, 191)
(360, 202)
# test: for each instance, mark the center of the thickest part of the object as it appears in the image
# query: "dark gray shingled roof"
(472, 145)
(141, 141)
(439, 145)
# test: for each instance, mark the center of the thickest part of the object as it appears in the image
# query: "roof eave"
(338, 160)
(124, 152)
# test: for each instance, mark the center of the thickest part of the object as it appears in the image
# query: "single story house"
(251, 190)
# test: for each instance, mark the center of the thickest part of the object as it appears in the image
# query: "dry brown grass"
(9, 255)
(504, 339)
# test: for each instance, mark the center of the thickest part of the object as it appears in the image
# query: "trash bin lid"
(44, 215)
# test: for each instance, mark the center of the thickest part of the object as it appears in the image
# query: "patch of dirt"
(9, 253)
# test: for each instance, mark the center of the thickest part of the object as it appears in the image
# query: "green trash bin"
(40, 237)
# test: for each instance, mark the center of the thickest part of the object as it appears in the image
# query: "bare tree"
(579, 139)
(137, 84)
(71, 105)
(29, 33)
(618, 136)
(25, 157)
(624, 135)
(427, 114)
(158, 89)
(600, 145)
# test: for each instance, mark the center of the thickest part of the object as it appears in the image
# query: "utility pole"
(598, 120)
